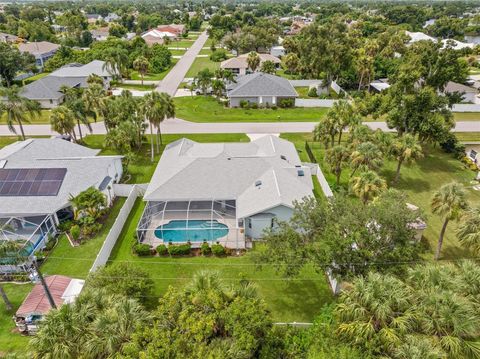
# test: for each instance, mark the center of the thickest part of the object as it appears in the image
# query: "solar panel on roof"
(31, 181)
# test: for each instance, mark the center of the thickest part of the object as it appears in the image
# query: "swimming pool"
(193, 231)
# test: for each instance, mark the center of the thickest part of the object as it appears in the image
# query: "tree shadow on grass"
(406, 182)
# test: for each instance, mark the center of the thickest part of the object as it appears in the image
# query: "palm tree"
(73, 100)
(116, 60)
(448, 202)
(141, 65)
(343, 115)
(367, 185)
(218, 87)
(94, 79)
(367, 155)
(325, 131)
(203, 80)
(365, 67)
(156, 108)
(62, 120)
(93, 96)
(406, 148)
(268, 67)
(468, 232)
(253, 61)
(18, 109)
(377, 309)
(336, 157)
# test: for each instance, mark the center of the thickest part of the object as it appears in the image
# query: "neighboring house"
(379, 85)
(64, 290)
(472, 151)
(42, 50)
(277, 51)
(260, 88)
(112, 17)
(9, 39)
(93, 18)
(296, 27)
(469, 94)
(100, 34)
(419, 36)
(177, 29)
(37, 179)
(47, 90)
(156, 36)
(456, 45)
(239, 65)
(222, 192)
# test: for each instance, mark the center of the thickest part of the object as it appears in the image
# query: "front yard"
(201, 63)
(208, 109)
(419, 181)
(299, 299)
(44, 118)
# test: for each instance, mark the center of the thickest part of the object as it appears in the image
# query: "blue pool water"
(197, 231)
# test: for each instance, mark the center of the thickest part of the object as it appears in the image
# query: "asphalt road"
(176, 75)
(175, 125)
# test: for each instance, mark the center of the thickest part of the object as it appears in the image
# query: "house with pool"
(222, 192)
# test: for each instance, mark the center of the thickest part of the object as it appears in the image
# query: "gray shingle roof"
(261, 84)
(84, 169)
(189, 170)
(49, 87)
(73, 70)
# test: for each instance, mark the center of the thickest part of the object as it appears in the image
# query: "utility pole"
(44, 284)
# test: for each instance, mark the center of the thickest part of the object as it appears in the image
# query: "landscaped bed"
(208, 109)
(419, 181)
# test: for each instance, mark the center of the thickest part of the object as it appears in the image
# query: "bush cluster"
(312, 92)
(179, 250)
(286, 102)
(452, 145)
(142, 249)
(75, 232)
(205, 249)
(218, 55)
(162, 249)
(218, 250)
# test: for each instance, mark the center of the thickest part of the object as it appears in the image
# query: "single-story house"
(222, 192)
(456, 45)
(469, 94)
(156, 36)
(100, 34)
(419, 36)
(260, 88)
(277, 51)
(177, 29)
(47, 90)
(64, 290)
(93, 18)
(239, 65)
(111, 17)
(37, 179)
(42, 50)
(9, 39)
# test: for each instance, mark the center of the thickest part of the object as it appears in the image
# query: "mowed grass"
(201, 63)
(134, 75)
(466, 116)
(136, 87)
(419, 181)
(77, 261)
(11, 341)
(299, 299)
(208, 109)
(141, 169)
(7, 140)
(44, 118)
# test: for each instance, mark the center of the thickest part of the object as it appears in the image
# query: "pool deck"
(235, 239)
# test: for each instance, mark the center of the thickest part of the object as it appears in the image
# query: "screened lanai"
(191, 221)
(30, 233)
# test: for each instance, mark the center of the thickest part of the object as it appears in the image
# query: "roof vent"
(258, 183)
(301, 173)
(283, 157)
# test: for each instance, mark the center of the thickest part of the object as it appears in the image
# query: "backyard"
(419, 181)
(208, 109)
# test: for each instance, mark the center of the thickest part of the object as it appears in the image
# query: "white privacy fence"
(114, 233)
(313, 102)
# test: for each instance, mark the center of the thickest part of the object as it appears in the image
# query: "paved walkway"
(175, 125)
(176, 75)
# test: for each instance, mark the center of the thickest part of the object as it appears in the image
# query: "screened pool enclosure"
(212, 221)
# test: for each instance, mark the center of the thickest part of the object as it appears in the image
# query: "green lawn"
(10, 340)
(178, 52)
(289, 300)
(466, 116)
(134, 75)
(468, 136)
(202, 63)
(207, 109)
(419, 181)
(181, 43)
(4, 141)
(42, 119)
(77, 261)
(136, 87)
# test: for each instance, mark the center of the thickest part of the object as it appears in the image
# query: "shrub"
(451, 145)
(286, 102)
(254, 105)
(218, 250)
(142, 249)
(274, 107)
(50, 243)
(205, 249)
(162, 249)
(75, 232)
(179, 250)
(243, 103)
(218, 55)
(65, 226)
(312, 92)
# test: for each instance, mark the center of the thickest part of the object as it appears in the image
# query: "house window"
(250, 223)
(272, 222)
(473, 154)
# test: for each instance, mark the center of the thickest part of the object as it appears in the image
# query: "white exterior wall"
(260, 223)
(50, 103)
